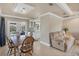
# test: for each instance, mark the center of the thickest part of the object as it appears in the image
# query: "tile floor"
(42, 50)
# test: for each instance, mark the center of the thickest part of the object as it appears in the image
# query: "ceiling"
(74, 7)
(39, 8)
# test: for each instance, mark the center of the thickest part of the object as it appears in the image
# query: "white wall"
(73, 26)
(49, 23)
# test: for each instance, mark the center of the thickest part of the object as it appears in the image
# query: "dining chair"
(27, 46)
(12, 47)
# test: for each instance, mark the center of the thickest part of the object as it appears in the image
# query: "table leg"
(15, 51)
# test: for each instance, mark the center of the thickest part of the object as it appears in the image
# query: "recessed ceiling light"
(23, 8)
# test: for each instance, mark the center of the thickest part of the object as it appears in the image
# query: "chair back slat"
(28, 40)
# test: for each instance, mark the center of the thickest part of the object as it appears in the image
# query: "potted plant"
(65, 29)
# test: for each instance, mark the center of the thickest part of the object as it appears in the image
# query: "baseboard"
(44, 43)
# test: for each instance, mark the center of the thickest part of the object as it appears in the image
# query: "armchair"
(60, 40)
(27, 46)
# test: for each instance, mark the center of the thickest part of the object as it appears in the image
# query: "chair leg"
(11, 51)
(14, 51)
(30, 53)
(8, 52)
(32, 49)
(20, 53)
(27, 53)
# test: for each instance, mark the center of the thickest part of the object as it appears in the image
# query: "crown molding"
(11, 16)
(52, 14)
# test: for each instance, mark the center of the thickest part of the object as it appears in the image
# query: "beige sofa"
(61, 40)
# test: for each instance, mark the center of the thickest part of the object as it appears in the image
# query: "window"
(15, 27)
(12, 28)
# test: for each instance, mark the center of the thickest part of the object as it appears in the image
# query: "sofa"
(61, 40)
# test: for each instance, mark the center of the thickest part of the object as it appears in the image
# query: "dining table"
(17, 42)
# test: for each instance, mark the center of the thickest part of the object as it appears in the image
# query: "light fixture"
(23, 8)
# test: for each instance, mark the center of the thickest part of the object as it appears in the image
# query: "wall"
(49, 23)
(73, 26)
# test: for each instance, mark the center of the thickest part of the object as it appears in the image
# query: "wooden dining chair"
(12, 47)
(27, 46)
